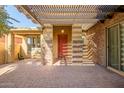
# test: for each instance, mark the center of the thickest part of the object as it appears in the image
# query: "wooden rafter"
(68, 14)
(26, 10)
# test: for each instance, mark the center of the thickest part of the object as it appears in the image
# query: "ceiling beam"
(63, 19)
(72, 18)
(81, 11)
(68, 22)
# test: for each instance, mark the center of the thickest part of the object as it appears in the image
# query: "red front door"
(62, 43)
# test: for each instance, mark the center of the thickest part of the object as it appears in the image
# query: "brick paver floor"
(30, 73)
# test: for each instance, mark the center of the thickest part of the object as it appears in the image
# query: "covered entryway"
(26, 43)
(81, 18)
(62, 44)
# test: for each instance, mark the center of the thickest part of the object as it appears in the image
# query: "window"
(115, 35)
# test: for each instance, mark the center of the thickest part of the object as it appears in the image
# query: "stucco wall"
(18, 45)
(2, 50)
(100, 37)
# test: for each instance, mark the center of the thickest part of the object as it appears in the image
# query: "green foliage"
(4, 28)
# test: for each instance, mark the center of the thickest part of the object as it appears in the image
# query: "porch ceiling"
(87, 15)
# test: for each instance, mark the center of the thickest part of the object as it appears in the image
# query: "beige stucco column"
(24, 47)
(9, 47)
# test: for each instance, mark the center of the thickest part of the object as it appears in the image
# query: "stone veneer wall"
(100, 37)
(48, 38)
(77, 43)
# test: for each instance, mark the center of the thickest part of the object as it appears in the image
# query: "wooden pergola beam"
(27, 10)
(68, 14)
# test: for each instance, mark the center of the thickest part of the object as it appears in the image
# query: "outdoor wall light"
(62, 31)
